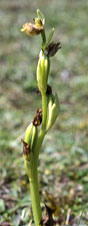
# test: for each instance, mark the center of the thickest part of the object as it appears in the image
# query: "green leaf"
(50, 37)
(41, 16)
(2, 206)
(25, 215)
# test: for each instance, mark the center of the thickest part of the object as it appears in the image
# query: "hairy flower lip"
(32, 29)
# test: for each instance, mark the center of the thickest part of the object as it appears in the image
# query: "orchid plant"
(46, 116)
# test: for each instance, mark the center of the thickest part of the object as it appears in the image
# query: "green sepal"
(50, 37)
(34, 137)
(28, 165)
(41, 16)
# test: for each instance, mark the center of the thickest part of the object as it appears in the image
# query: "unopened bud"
(28, 134)
(43, 72)
(28, 158)
(53, 111)
(31, 135)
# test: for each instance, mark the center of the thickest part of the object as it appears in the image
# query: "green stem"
(35, 197)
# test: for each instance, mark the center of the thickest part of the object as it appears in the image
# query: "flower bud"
(43, 72)
(53, 111)
(28, 158)
(28, 134)
(31, 135)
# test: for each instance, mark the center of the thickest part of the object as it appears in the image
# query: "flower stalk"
(45, 117)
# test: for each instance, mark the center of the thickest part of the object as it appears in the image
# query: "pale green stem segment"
(35, 197)
(31, 169)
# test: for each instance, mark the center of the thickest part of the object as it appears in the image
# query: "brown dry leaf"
(47, 220)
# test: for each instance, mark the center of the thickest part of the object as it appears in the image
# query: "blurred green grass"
(64, 156)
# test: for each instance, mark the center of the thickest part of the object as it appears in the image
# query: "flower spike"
(45, 117)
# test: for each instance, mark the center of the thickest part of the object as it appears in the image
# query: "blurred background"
(63, 164)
